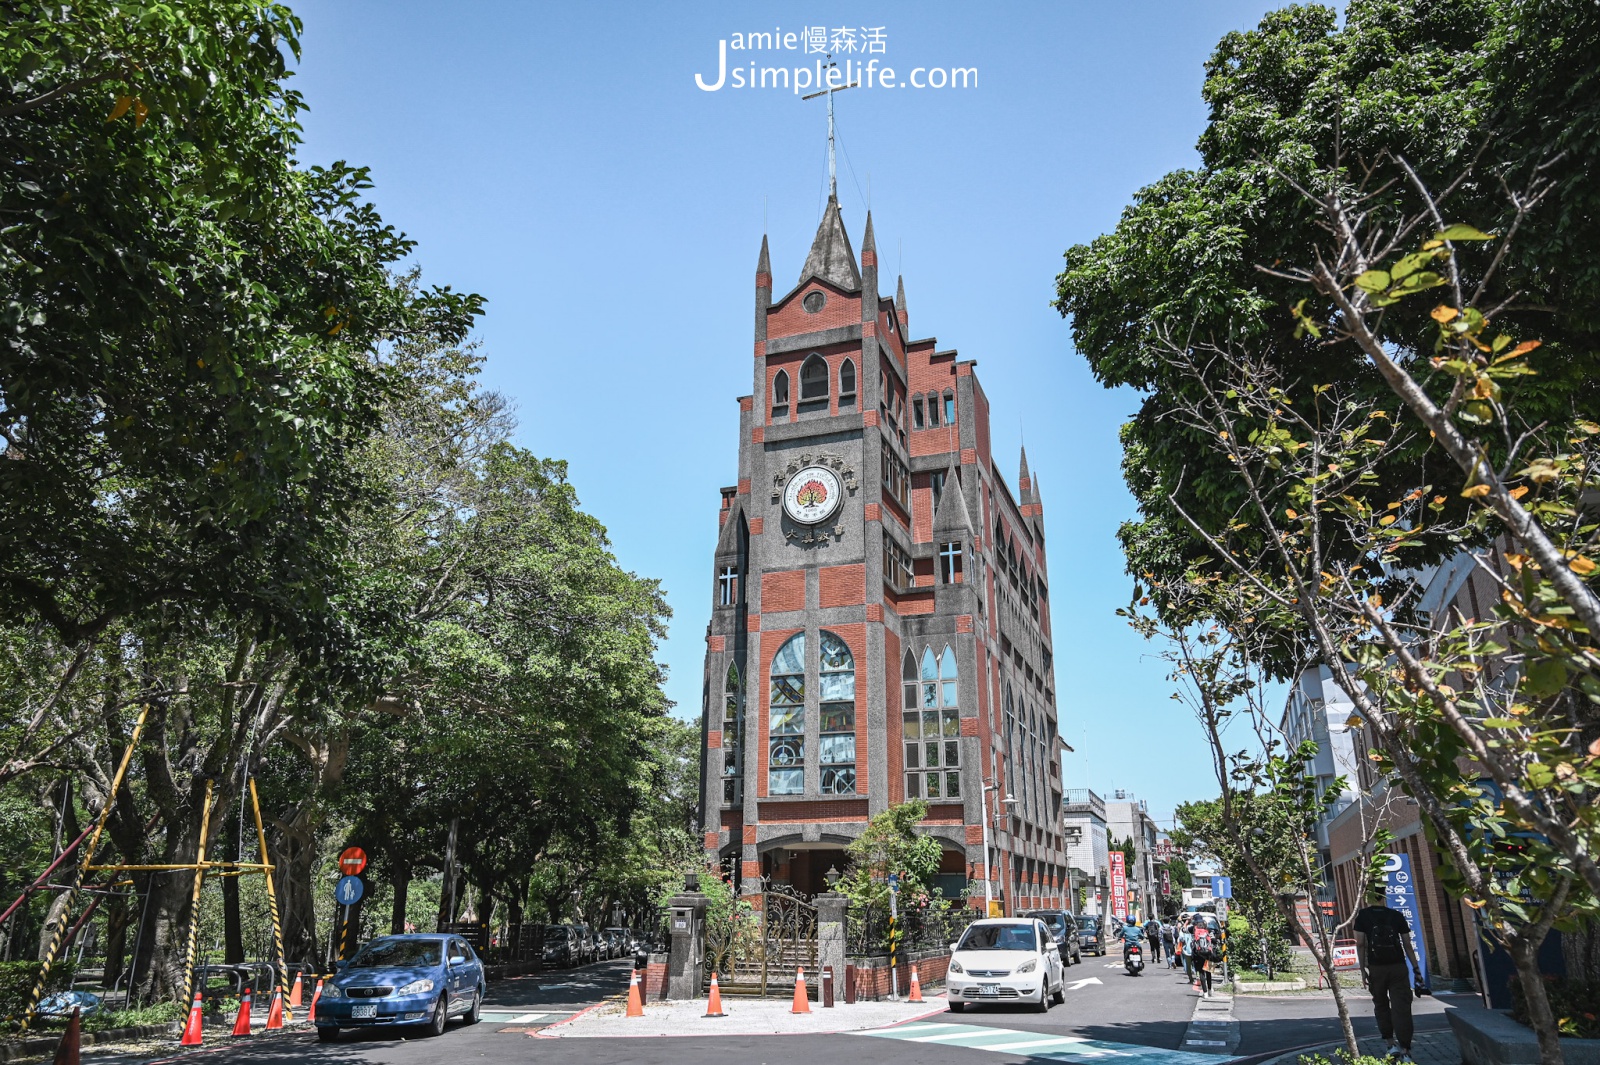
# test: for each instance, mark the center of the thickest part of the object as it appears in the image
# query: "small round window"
(813, 302)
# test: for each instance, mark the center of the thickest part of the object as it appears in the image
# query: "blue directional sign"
(1222, 887)
(1400, 892)
(894, 883)
(349, 891)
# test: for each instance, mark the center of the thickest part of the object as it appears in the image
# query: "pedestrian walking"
(1169, 939)
(1186, 950)
(1383, 945)
(1152, 932)
(1205, 952)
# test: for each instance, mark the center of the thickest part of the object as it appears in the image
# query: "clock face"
(812, 495)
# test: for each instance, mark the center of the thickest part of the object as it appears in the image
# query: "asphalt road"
(1146, 1016)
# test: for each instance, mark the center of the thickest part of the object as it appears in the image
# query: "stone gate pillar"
(831, 908)
(686, 958)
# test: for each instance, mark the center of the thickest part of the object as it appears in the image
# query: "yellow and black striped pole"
(191, 956)
(57, 933)
(272, 899)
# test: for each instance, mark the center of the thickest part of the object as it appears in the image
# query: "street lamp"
(988, 866)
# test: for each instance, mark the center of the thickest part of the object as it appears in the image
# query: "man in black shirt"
(1383, 944)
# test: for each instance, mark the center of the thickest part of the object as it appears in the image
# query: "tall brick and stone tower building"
(881, 627)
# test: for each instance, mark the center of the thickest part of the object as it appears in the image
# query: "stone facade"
(894, 644)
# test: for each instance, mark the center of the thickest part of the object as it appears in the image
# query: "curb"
(28, 1048)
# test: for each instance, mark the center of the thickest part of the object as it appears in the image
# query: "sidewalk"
(1428, 1048)
(745, 1016)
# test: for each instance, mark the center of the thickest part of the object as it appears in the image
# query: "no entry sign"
(352, 860)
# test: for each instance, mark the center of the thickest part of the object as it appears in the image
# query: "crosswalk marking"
(1062, 1048)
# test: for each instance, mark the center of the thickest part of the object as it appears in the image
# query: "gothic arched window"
(836, 751)
(780, 395)
(813, 384)
(847, 383)
(786, 750)
(732, 738)
(932, 727)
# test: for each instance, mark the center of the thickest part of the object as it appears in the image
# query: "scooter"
(1133, 959)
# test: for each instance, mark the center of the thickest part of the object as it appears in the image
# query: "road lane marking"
(1065, 1048)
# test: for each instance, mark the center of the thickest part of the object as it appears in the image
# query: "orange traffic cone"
(275, 1011)
(71, 1041)
(802, 1002)
(241, 1023)
(191, 1030)
(714, 1002)
(311, 1013)
(916, 987)
(635, 1002)
(294, 993)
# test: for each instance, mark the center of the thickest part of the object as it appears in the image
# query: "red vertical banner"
(1119, 886)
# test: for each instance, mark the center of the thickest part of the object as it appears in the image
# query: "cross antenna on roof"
(833, 171)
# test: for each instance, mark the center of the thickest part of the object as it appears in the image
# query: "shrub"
(1576, 1006)
(16, 982)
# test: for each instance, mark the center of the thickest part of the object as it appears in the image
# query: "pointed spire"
(831, 257)
(868, 243)
(900, 304)
(952, 516)
(1025, 483)
(764, 264)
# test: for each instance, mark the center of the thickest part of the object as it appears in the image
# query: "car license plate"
(365, 1009)
(989, 990)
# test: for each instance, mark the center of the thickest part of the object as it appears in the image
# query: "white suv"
(1005, 960)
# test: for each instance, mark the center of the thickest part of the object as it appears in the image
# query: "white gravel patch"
(745, 1016)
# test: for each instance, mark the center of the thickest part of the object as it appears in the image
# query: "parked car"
(559, 942)
(1011, 959)
(1064, 929)
(403, 980)
(1091, 935)
(621, 942)
(588, 950)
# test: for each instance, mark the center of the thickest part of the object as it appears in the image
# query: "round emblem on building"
(812, 495)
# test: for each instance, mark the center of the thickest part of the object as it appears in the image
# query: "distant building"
(1083, 826)
(1319, 711)
(1128, 817)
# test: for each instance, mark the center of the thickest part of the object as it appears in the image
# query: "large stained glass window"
(932, 726)
(836, 751)
(786, 750)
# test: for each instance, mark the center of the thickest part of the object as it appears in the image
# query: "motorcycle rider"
(1130, 933)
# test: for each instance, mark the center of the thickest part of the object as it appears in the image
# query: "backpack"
(1383, 942)
(1205, 947)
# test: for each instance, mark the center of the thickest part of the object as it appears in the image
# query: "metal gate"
(752, 951)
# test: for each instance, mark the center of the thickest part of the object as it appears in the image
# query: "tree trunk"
(1525, 954)
(1581, 948)
(117, 915)
(400, 881)
(232, 922)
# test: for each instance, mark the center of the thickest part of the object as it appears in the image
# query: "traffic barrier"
(71, 1042)
(275, 1011)
(802, 1003)
(635, 1002)
(916, 986)
(191, 1030)
(311, 1013)
(294, 993)
(714, 1003)
(241, 1023)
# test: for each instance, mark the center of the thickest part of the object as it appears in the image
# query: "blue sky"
(561, 160)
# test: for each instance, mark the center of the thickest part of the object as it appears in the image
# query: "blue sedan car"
(412, 979)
